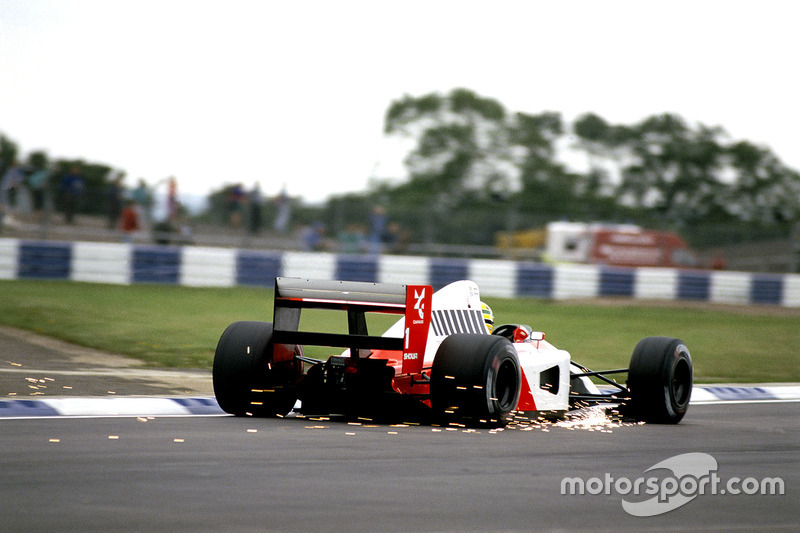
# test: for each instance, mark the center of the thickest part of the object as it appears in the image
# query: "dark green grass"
(728, 344)
(179, 326)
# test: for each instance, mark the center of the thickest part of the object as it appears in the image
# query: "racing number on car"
(418, 320)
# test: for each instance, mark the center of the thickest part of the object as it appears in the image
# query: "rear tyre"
(659, 380)
(475, 379)
(246, 382)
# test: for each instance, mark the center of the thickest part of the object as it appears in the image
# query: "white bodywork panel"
(546, 372)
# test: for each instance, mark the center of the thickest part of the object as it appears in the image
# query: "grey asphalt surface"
(237, 474)
(233, 474)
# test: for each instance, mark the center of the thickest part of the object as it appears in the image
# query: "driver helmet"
(488, 317)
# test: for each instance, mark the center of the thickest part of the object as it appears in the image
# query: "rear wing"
(357, 298)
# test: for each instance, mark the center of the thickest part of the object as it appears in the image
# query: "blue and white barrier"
(120, 406)
(713, 394)
(221, 267)
(207, 406)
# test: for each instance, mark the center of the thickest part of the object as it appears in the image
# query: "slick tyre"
(475, 379)
(660, 380)
(246, 383)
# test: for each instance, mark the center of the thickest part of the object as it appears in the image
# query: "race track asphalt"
(298, 474)
(234, 474)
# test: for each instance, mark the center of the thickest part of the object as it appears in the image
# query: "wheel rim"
(505, 385)
(681, 382)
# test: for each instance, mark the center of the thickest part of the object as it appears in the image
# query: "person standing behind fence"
(38, 185)
(144, 203)
(172, 199)
(72, 187)
(255, 205)
(377, 223)
(236, 202)
(12, 181)
(114, 194)
(284, 207)
(129, 220)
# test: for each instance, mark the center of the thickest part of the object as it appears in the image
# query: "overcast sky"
(295, 92)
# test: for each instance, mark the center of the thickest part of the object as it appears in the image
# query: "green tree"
(8, 152)
(474, 159)
(547, 189)
(461, 155)
(604, 145)
(665, 165)
(763, 189)
(462, 144)
(38, 160)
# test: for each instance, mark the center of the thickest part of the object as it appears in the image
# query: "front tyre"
(475, 379)
(659, 380)
(246, 380)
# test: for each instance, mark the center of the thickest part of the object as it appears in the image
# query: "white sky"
(295, 92)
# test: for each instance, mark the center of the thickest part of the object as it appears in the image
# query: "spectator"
(114, 194)
(236, 200)
(313, 237)
(284, 211)
(377, 223)
(718, 261)
(172, 199)
(129, 220)
(37, 183)
(144, 202)
(13, 180)
(351, 240)
(396, 239)
(72, 187)
(255, 204)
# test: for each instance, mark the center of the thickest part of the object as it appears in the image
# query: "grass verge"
(173, 326)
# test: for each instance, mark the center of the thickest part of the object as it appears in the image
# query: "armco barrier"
(220, 267)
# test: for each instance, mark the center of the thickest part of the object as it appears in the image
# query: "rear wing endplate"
(356, 298)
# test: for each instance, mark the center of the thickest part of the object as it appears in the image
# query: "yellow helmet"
(488, 317)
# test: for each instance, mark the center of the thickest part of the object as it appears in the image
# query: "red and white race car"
(437, 363)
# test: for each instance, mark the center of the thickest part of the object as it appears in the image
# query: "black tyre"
(245, 380)
(476, 379)
(659, 380)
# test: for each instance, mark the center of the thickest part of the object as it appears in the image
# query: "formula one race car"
(437, 363)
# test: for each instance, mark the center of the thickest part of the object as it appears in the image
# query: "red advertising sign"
(640, 248)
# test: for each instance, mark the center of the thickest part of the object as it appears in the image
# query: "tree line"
(477, 168)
